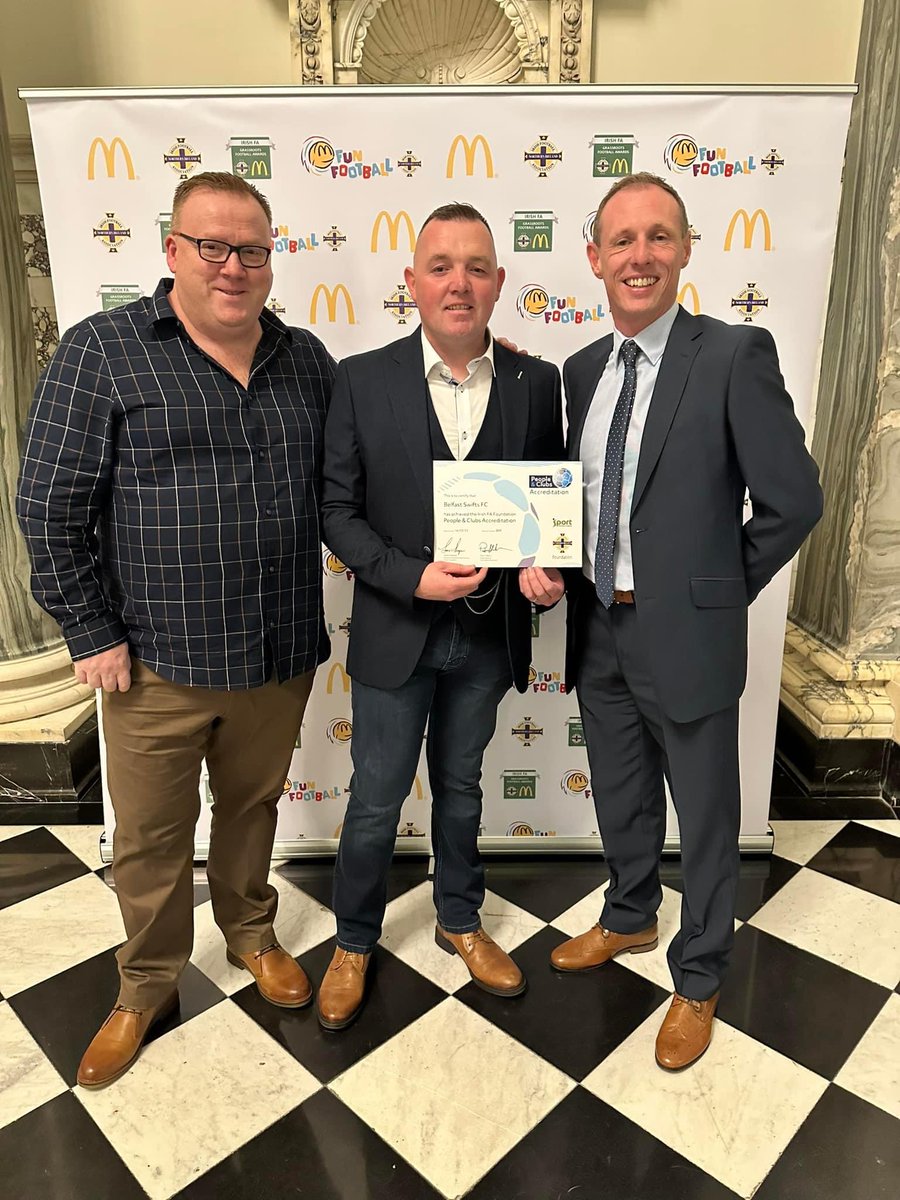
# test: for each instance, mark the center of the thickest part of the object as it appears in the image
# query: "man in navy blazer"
(431, 642)
(676, 418)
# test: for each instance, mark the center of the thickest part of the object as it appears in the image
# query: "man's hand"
(541, 586)
(511, 346)
(448, 581)
(110, 670)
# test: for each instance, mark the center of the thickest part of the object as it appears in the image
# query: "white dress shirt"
(651, 343)
(459, 404)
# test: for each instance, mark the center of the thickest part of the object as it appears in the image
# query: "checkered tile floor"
(440, 1090)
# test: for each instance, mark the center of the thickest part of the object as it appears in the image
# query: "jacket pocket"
(719, 593)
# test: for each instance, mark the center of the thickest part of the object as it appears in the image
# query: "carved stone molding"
(311, 47)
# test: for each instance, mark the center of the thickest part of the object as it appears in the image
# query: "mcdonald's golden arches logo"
(688, 289)
(339, 730)
(393, 228)
(337, 670)
(332, 295)
(575, 783)
(760, 215)
(109, 150)
(468, 149)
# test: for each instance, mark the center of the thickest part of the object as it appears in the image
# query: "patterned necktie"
(611, 492)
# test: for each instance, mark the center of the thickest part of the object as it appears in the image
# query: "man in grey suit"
(676, 418)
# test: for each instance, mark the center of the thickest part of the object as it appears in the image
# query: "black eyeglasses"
(219, 252)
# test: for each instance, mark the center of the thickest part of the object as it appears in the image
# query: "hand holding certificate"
(508, 514)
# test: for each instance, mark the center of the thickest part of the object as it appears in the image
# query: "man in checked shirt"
(169, 499)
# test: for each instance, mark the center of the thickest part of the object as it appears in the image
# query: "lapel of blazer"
(680, 352)
(513, 396)
(593, 369)
(408, 395)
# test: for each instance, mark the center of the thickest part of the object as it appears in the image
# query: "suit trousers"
(632, 745)
(157, 734)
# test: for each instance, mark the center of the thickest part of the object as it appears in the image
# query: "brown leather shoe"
(342, 991)
(598, 946)
(490, 967)
(279, 979)
(684, 1034)
(118, 1042)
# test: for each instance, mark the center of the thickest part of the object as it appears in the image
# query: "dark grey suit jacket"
(720, 421)
(377, 496)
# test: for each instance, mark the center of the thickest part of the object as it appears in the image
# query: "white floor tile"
(53, 931)
(873, 1069)
(837, 921)
(452, 1093)
(799, 841)
(83, 840)
(27, 1080)
(195, 1096)
(409, 926)
(300, 924)
(732, 1113)
(581, 916)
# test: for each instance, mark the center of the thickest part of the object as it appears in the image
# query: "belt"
(623, 597)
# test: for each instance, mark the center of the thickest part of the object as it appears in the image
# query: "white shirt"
(459, 405)
(651, 343)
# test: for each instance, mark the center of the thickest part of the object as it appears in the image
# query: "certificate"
(508, 514)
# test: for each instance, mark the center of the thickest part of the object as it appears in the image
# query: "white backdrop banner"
(351, 174)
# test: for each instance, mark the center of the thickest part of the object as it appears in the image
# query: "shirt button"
(270, 511)
(271, 570)
(262, 453)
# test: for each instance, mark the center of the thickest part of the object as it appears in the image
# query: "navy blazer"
(377, 496)
(720, 423)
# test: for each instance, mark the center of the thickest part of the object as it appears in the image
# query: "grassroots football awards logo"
(400, 304)
(111, 233)
(182, 158)
(543, 156)
(331, 297)
(574, 731)
(164, 221)
(750, 302)
(535, 303)
(392, 225)
(533, 231)
(684, 152)
(320, 157)
(612, 155)
(251, 157)
(114, 295)
(469, 149)
(519, 785)
(108, 152)
(749, 225)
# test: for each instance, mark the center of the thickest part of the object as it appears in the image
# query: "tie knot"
(628, 352)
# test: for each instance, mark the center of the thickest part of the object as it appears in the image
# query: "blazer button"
(427, 550)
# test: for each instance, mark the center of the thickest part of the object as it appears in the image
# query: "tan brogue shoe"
(279, 979)
(598, 946)
(684, 1034)
(342, 991)
(118, 1042)
(490, 967)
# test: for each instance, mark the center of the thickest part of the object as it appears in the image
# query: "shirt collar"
(652, 340)
(160, 309)
(433, 361)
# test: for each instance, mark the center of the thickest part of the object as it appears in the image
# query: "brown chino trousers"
(157, 734)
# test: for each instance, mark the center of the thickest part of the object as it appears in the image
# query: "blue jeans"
(455, 688)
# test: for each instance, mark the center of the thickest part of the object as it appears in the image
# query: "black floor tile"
(315, 878)
(64, 1012)
(803, 807)
(571, 1020)
(806, 1008)
(397, 995)
(546, 888)
(759, 880)
(201, 887)
(32, 862)
(865, 857)
(57, 1151)
(584, 1148)
(320, 1151)
(846, 1149)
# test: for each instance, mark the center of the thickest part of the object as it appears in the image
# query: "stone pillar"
(47, 720)
(841, 678)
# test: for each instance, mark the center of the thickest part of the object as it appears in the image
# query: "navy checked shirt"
(166, 506)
